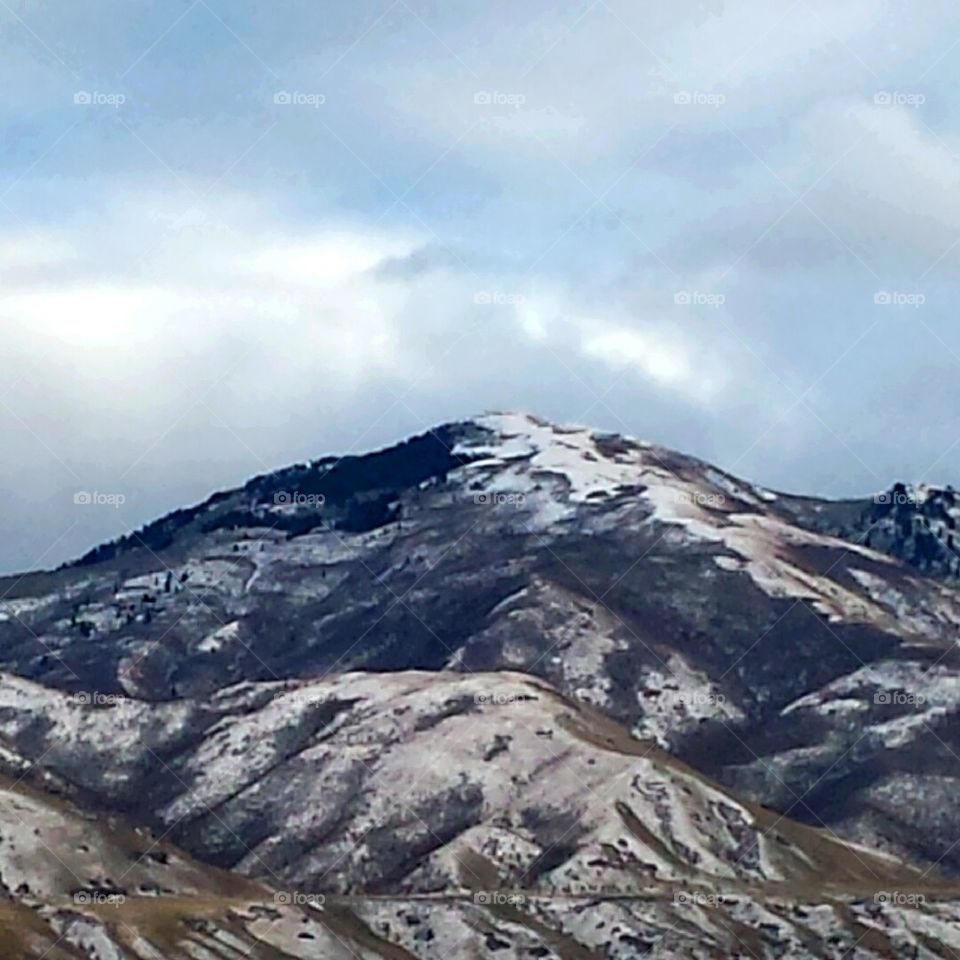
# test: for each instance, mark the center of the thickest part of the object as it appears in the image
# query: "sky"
(239, 235)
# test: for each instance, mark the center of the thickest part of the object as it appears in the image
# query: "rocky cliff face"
(512, 656)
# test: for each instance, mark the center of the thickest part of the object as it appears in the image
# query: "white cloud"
(325, 261)
(27, 250)
(309, 302)
(87, 316)
(654, 354)
(893, 167)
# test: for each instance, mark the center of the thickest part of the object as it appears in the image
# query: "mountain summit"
(667, 709)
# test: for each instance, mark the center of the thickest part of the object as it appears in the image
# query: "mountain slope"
(395, 782)
(424, 816)
(202, 677)
(78, 887)
(689, 605)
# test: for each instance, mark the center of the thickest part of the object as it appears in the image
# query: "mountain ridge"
(795, 655)
(329, 476)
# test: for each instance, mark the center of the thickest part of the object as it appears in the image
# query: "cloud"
(23, 252)
(652, 354)
(894, 179)
(492, 206)
(311, 297)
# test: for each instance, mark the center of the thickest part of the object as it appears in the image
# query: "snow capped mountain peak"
(551, 473)
(596, 465)
(406, 666)
(575, 454)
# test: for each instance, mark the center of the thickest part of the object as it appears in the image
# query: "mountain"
(660, 707)
(414, 815)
